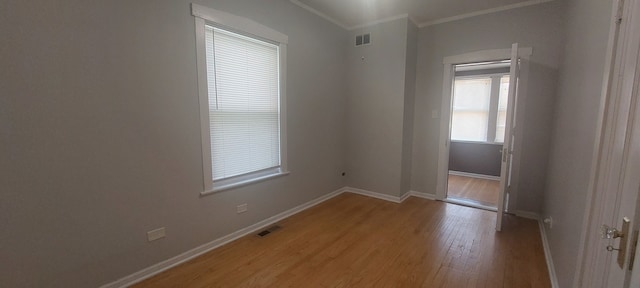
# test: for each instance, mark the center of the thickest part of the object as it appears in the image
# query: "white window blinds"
(470, 113)
(243, 92)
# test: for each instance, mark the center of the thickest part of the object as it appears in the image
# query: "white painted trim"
(482, 12)
(486, 55)
(412, 19)
(322, 15)
(405, 196)
(506, 169)
(547, 255)
(524, 54)
(527, 214)
(249, 180)
(238, 23)
(445, 130)
(383, 20)
(394, 199)
(423, 195)
(203, 98)
(282, 86)
(586, 256)
(203, 16)
(202, 249)
(590, 265)
(474, 175)
(193, 253)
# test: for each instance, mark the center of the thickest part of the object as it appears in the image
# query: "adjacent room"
(315, 143)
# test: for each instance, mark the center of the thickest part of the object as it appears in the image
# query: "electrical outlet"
(156, 234)
(241, 208)
(435, 114)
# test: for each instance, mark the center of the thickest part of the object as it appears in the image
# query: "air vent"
(268, 231)
(363, 39)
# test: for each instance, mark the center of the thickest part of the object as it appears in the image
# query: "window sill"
(237, 184)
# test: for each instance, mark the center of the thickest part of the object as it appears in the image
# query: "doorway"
(478, 119)
(473, 69)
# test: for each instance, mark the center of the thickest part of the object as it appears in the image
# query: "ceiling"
(351, 14)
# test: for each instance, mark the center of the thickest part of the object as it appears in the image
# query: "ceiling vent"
(363, 39)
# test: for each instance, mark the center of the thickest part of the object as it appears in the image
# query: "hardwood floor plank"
(357, 241)
(483, 191)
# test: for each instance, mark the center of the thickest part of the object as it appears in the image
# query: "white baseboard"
(372, 194)
(193, 253)
(474, 175)
(527, 214)
(422, 195)
(547, 255)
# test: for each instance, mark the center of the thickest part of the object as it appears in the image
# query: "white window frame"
(493, 106)
(207, 16)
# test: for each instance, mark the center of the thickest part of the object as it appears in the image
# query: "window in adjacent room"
(241, 98)
(479, 108)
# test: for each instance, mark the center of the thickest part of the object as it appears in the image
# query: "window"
(241, 76)
(479, 111)
(470, 116)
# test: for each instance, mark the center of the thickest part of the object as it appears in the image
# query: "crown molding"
(482, 12)
(314, 11)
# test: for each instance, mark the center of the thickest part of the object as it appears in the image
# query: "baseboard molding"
(372, 194)
(405, 196)
(547, 255)
(474, 175)
(422, 195)
(193, 253)
(527, 214)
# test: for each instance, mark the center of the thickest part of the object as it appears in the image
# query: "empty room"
(318, 143)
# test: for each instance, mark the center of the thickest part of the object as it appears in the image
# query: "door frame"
(449, 62)
(612, 120)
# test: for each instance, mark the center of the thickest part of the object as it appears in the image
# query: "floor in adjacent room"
(357, 241)
(481, 191)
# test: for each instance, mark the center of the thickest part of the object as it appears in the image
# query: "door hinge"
(632, 251)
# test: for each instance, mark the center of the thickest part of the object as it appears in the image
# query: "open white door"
(507, 147)
(613, 221)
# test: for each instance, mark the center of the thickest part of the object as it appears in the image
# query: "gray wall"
(539, 27)
(375, 105)
(571, 153)
(100, 134)
(477, 158)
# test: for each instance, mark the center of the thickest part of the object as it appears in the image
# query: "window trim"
(207, 16)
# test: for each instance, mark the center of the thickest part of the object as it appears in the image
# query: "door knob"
(612, 233)
(609, 232)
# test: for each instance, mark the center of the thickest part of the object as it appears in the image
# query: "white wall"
(539, 27)
(375, 108)
(100, 135)
(573, 138)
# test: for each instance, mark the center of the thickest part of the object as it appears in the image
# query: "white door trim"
(445, 110)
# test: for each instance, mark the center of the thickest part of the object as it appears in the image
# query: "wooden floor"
(483, 191)
(357, 241)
